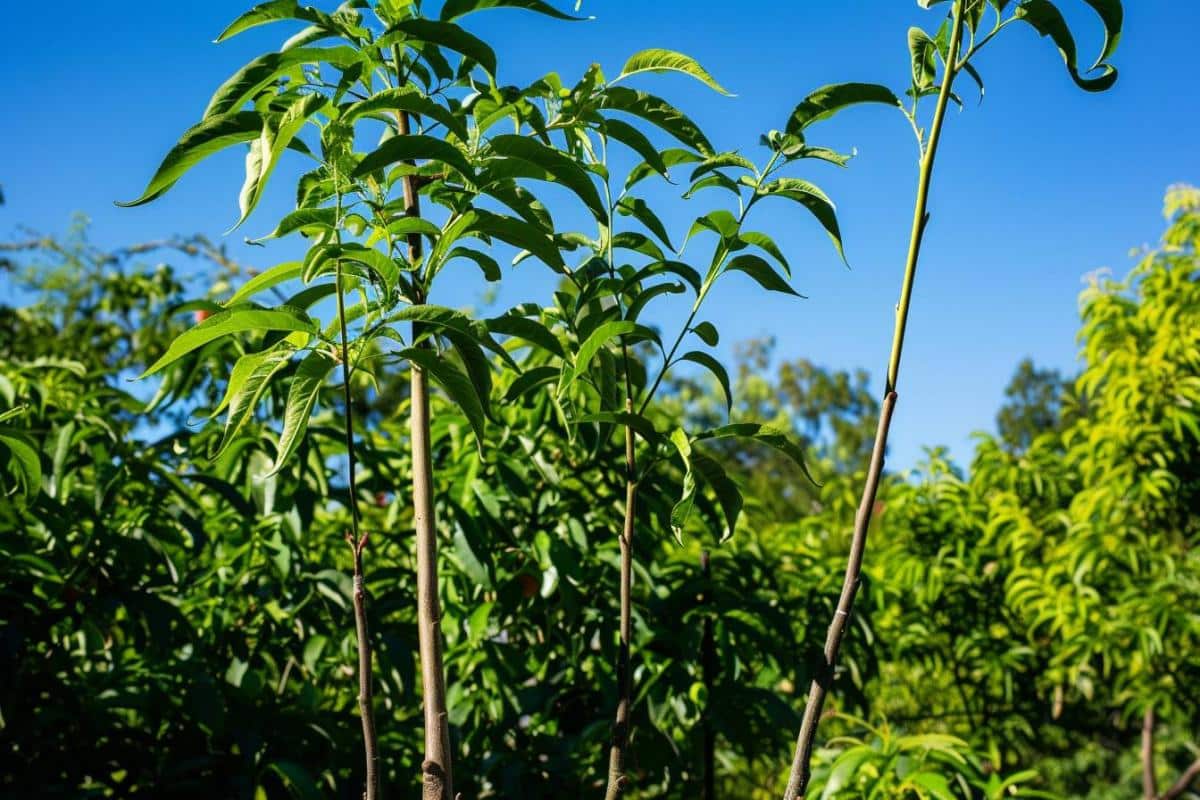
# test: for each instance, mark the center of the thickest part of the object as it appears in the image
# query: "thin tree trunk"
(617, 780)
(437, 777)
(1149, 782)
(365, 695)
(800, 773)
(438, 782)
(708, 663)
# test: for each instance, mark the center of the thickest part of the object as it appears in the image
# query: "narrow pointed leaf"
(1045, 18)
(812, 198)
(456, 385)
(233, 320)
(660, 60)
(410, 148)
(762, 272)
(446, 34)
(260, 72)
(562, 168)
(453, 9)
(302, 396)
(658, 112)
(829, 100)
(407, 99)
(280, 273)
(198, 143)
(275, 11)
(765, 434)
(248, 382)
(716, 368)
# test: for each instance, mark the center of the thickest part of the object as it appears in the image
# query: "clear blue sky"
(1037, 187)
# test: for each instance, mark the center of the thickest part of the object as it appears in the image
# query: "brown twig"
(617, 780)
(365, 694)
(1189, 777)
(708, 664)
(1149, 782)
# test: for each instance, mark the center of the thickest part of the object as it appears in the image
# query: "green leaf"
(408, 99)
(453, 9)
(658, 60)
(280, 273)
(448, 319)
(707, 333)
(275, 11)
(643, 299)
(561, 168)
(529, 380)
(716, 368)
(410, 147)
(935, 784)
(723, 160)
(924, 57)
(278, 132)
(636, 141)
(260, 72)
(529, 330)
(642, 426)
(762, 272)
(302, 396)
(447, 34)
(765, 434)
(248, 381)
(592, 345)
(487, 264)
(457, 386)
(829, 100)
(1112, 14)
(25, 462)
(198, 143)
(297, 779)
(518, 233)
(305, 220)
(1045, 18)
(812, 198)
(657, 112)
(324, 260)
(670, 157)
(765, 243)
(638, 209)
(729, 497)
(233, 320)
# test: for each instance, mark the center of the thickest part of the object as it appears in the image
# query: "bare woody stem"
(1149, 782)
(708, 664)
(1189, 777)
(365, 695)
(617, 781)
(801, 771)
(437, 779)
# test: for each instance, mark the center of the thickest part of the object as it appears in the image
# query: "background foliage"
(172, 626)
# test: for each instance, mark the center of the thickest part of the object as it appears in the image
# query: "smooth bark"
(437, 776)
(801, 767)
(617, 780)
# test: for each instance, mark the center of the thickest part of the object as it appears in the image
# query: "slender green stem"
(356, 538)
(800, 772)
